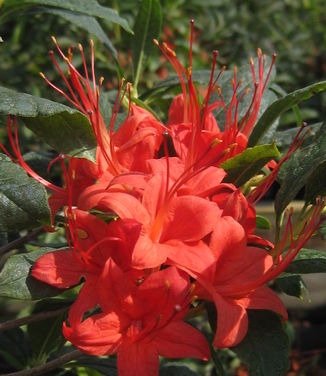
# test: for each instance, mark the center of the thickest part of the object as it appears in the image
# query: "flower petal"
(264, 298)
(189, 218)
(98, 335)
(232, 322)
(59, 269)
(138, 359)
(181, 340)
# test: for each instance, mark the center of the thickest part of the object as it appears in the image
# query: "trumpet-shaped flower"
(140, 320)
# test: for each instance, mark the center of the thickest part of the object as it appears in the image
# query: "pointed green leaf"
(265, 349)
(246, 164)
(292, 285)
(308, 261)
(88, 23)
(16, 282)
(23, 201)
(316, 184)
(280, 106)
(147, 27)
(67, 130)
(296, 172)
(89, 7)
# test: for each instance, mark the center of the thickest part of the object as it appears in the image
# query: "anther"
(167, 284)
(82, 234)
(53, 38)
(177, 307)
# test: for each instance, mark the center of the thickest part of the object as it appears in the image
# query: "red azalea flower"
(240, 273)
(196, 135)
(141, 320)
(92, 243)
(171, 225)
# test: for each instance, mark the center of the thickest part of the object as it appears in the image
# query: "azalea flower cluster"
(153, 228)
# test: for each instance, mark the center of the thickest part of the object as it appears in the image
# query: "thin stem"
(20, 241)
(7, 325)
(45, 368)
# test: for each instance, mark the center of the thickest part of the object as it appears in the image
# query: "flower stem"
(7, 325)
(45, 368)
(20, 241)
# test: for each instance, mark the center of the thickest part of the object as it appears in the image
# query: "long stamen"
(210, 87)
(75, 104)
(64, 79)
(255, 195)
(14, 142)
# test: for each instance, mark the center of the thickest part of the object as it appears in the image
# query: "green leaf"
(246, 164)
(285, 138)
(176, 370)
(89, 7)
(147, 27)
(87, 23)
(280, 106)
(265, 348)
(23, 201)
(46, 335)
(308, 261)
(106, 366)
(292, 285)
(65, 129)
(298, 169)
(14, 349)
(263, 223)
(16, 282)
(316, 185)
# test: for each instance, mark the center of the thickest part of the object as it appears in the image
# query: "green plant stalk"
(141, 55)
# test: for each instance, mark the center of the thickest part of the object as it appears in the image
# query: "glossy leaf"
(16, 282)
(23, 201)
(292, 285)
(89, 7)
(280, 106)
(265, 348)
(87, 23)
(67, 130)
(285, 138)
(246, 164)
(296, 172)
(308, 261)
(147, 27)
(316, 184)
